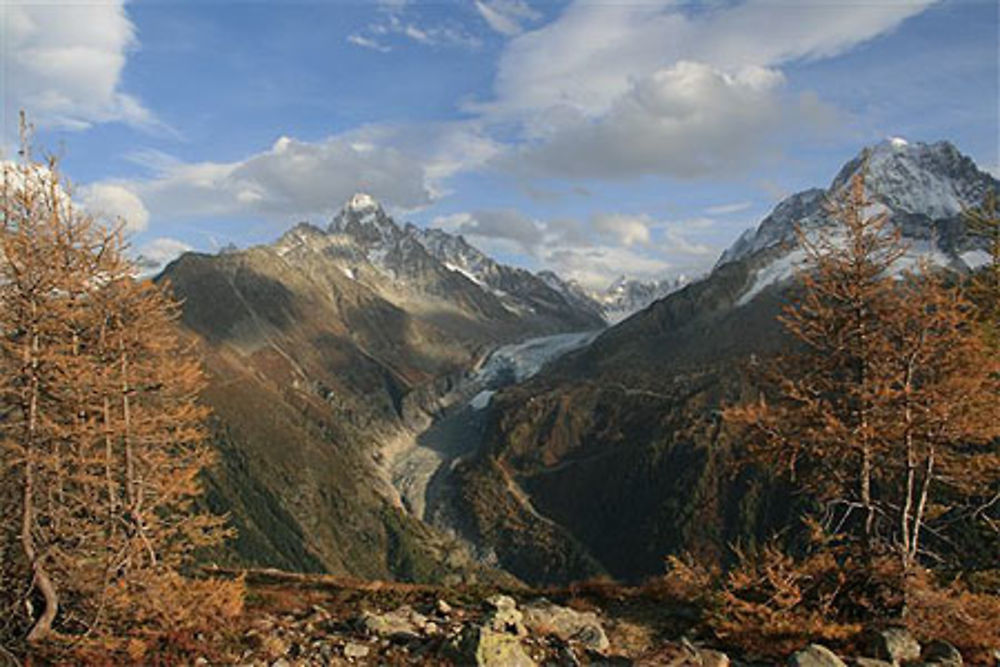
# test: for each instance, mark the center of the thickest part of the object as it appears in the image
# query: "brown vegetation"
(886, 414)
(101, 436)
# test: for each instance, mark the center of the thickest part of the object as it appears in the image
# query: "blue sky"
(594, 138)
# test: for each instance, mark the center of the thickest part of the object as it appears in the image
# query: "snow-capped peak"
(923, 188)
(361, 202)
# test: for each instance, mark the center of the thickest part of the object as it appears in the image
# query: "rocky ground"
(300, 621)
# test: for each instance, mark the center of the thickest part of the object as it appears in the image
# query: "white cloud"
(113, 203)
(368, 43)
(395, 22)
(596, 267)
(291, 179)
(63, 64)
(619, 90)
(506, 16)
(503, 224)
(593, 251)
(406, 167)
(688, 120)
(589, 56)
(627, 230)
(159, 252)
(728, 209)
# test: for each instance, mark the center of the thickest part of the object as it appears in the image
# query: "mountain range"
(373, 415)
(617, 450)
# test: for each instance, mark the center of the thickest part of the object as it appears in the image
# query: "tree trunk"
(43, 625)
(918, 520)
(40, 576)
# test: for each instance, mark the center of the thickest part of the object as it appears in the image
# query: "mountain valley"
(392, 403)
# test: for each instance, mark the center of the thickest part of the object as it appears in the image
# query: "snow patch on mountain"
(778, 271)
(362, 202)
(975, 259)
(922, 188)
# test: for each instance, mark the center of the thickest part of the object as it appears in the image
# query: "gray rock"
(567, 624)
(484, 647)
(566, 657)
(505, 616)
(942, 653)
(815, 655)
(402, 623)
(895, 645)
(353, 650)
(710, 658)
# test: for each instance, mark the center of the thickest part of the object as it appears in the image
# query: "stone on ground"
(815, 655)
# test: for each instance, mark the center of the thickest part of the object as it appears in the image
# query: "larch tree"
(102, 438)
(883, 407)
(984, 288)
(826, 393)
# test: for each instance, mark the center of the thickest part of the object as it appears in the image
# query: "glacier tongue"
(515, 363)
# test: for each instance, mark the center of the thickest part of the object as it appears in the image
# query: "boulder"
(710, 658)
(355, 650)
(941, 653)
(505, 616)
(895, 645)
(485, 647)
(402, 624)
(815, 655)
(543, 617)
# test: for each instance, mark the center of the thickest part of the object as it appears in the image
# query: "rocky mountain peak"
(929, 179)
(364, 218)
(362, 201)
(922, 187)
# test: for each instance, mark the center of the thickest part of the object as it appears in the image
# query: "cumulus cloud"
(506, 16)
(63, 64)
(596, 267)
(114, 203)
(686, 121)
(595, 250)
(589, 56)
(620, 90)
(405, 167)
(627, 230)
(159, 252)
(292, 178)
(496, 224)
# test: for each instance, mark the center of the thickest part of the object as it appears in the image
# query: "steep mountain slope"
(616, 455)
(324, 351)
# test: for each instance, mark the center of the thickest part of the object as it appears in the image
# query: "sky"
(594, 138)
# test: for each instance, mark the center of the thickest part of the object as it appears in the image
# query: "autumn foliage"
(102, 438)
(885, 412)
